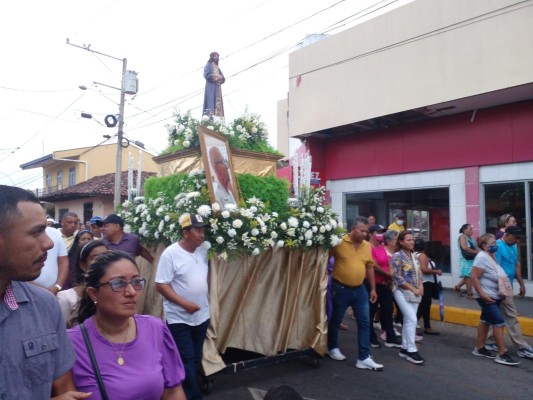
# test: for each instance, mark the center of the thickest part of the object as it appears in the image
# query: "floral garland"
(246, 132)
(248, 228)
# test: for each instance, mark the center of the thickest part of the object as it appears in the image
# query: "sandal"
(343, 327)
(470, 296)
(431, 332)
(457, 288)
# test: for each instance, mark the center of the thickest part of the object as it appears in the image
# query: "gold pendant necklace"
(120, 359)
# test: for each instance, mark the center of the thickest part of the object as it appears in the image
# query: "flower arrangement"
(246, 132)
(246, 228)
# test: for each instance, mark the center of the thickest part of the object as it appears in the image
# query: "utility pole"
(118, 169)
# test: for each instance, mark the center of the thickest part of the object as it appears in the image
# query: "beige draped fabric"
(267, 304)
(151, 302)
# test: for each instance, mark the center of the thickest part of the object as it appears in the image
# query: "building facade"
(427, 109)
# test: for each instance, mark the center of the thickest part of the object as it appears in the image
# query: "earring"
(95, 303)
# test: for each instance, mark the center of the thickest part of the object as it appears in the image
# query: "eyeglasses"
(118, 285)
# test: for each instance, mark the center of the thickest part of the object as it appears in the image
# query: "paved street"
(450, 372)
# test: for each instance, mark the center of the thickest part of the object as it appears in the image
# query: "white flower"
(192, 195)
(225, 214)
(263, 230)
(239, 128)
(306, 224)
(167, 218)
(186, 143)
(314, 229)
(215, 207)
(220, 239)
(232, 232)
(230, 206)
(283, 226)
(206, 245)
(256, 252)
(293, 222)
(280, 243)
(320, 210)
(291, 232)
(237, 223)
(161, 225)
(334, 240)
(204, 210)
(275, 214)
(333, 223)
(148, 218)
(254, 130)
(223, 256)
(322, 229)
(340, 225)
(176, 142)
(309, 243)
(273, 235)
(205, 118)
(255, 232)
(127, 228)
(211, 127)
(308, 234)
(328, 227)
(231, 133)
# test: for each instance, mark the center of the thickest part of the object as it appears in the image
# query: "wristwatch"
(58, 286)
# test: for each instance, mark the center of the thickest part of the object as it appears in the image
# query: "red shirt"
(382, 259)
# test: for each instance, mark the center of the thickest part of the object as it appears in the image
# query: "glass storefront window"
(427, 213)
(508, 198)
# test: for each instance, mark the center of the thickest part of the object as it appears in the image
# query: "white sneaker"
(368, 363)
(376, 325)
(335, 354)
(397, 333)
(526, 352)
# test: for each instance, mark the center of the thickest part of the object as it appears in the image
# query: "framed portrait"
(218, 164)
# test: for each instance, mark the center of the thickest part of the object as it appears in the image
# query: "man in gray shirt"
(36, 356)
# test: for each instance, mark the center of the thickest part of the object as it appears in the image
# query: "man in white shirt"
(56, 267)
(182, 280)
(69, 228)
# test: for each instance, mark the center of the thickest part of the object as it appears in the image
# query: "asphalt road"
(450, 372)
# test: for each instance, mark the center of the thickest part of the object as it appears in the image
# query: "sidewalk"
(462, 311)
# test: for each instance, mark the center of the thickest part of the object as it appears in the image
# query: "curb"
(468, 317)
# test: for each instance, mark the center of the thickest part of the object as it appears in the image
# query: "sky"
(167, 42)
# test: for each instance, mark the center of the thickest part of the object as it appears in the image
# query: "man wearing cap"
(399, 222)
(116, 239)
(507, 257)
(182, 280)
(96, 227)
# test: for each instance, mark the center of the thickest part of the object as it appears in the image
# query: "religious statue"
(214, 78)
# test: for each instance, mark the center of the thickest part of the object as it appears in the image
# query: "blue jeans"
(190, 342)
(491, 313)
(357, 298)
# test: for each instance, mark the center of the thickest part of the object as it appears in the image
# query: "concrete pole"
(118, 170)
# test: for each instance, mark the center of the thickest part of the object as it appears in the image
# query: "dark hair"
(97, 269)
(211, 55)
(483, 239)
(420, 245)
(10, 196)
(76, 243)
(360, 220)
(69, 214)
(402, 236)
(464, 228)
(82, 256)
(282, 392)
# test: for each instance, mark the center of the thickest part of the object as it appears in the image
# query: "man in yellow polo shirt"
(398, 224)
(353, 262)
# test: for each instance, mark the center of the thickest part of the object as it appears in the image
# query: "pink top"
(382, 259)
(9, 298)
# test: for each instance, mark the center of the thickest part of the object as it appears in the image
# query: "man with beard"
(36, 355)
(214, 78)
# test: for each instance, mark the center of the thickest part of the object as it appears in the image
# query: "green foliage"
(274, 192)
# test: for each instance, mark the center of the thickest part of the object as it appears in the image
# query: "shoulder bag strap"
(101, 386)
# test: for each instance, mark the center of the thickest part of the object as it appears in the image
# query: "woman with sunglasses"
(136, 354)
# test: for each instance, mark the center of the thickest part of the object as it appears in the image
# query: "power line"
(35, 91)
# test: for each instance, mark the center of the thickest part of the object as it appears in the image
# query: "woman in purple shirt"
(136, 354)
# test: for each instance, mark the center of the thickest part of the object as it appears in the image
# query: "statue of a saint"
(214, 78)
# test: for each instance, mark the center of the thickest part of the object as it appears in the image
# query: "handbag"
(96, 370)
(466, 254)
(505, 288)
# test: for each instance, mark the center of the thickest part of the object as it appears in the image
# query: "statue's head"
(214, 57)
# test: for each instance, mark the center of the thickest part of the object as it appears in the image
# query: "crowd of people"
(86, 279)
